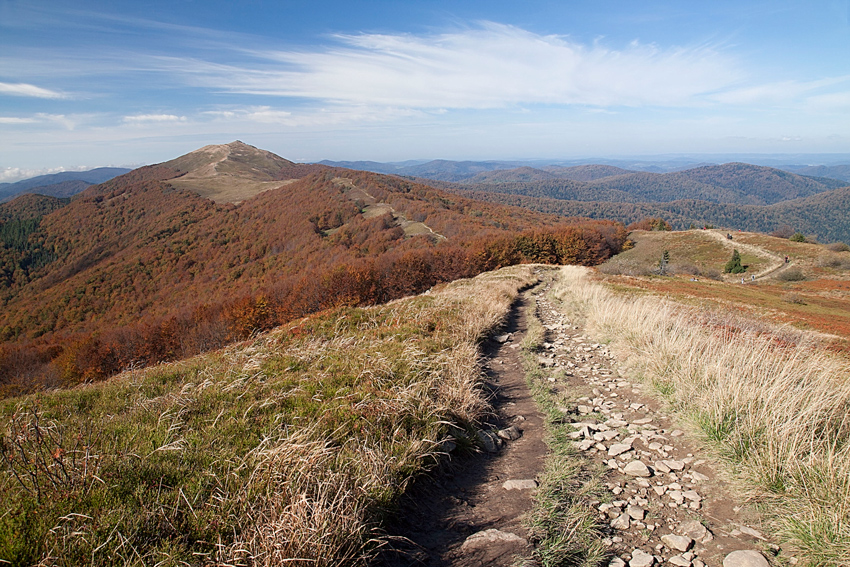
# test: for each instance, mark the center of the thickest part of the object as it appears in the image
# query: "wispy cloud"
(25, 89)
(153, 118)
(67, 122)
(491, 66)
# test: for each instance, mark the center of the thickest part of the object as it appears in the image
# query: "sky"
(93, 82)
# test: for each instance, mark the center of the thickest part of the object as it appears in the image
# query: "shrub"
(734, 266)
(838, 247)
(650, 224)
(791, 275)
(784, 231)
(797, 237)
(795, 298)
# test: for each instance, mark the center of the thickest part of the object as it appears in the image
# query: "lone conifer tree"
(733, 266)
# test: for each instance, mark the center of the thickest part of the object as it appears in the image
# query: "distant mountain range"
(64, 184)
(465, 171)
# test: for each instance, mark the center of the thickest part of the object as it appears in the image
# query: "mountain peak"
(229, 172)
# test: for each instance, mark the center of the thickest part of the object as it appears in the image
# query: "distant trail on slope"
(778, 262)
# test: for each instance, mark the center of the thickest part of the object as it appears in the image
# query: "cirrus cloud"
(492, 66)
(25, 89)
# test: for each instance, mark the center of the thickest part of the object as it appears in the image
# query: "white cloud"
(153, 118)
(24, 89)
(12, 174)
(492, 66)
(16, 120)
(69, 123)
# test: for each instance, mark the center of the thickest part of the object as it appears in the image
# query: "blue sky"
(94, 83)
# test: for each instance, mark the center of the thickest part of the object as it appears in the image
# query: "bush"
(650, 224)
(791, 275)
(783, 231)
(794, 298)
(838, 247)
(734, 266)
(797, 237)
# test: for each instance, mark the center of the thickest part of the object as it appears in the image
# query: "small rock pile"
(657, 488)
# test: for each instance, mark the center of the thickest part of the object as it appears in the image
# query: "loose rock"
(511, 433)
(677, 542)
(489, 537)
(637, 468)
(641, 558)
(525, 484)
(745, 558)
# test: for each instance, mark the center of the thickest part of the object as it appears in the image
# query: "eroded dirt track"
(470, 512)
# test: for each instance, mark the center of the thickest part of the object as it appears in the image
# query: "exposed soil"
(462, 514)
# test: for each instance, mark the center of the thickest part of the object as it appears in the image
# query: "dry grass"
(767, 398)
(286, 450)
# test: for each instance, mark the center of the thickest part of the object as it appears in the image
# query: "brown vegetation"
(134, 272)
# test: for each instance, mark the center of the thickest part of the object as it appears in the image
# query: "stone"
(621, 522)
(694, 496)
(524, 484)
(679, 561)
(637, 468)
(677, 542)
(586, 444)
(511, 433)
(745, 558)
(751, 532)
(584, 410)
(486, 538)
(502, 338)
(661, 467)
(606, 435)
(695, 530)
(677, 497)
(489, 441)
(616, 562)
(675, 465)
(448, 446)
(677, 433)
(698, 477)
(641, 558)
(635, 512)
(618, 449)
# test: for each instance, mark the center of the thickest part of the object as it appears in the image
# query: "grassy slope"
(820, 302)
(287, 448)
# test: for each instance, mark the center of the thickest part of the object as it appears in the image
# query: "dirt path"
(667, 505)
(470, 512)
(777, 262)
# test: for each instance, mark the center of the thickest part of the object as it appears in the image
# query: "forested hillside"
(823, 216)
(136, 271)
(733, 183)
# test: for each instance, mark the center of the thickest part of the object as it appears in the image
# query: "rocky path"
(470, 512)
(666, 505)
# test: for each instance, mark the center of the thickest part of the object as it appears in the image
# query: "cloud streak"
(27, 90)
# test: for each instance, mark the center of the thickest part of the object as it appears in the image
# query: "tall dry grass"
(768, 399)
(284, 451)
